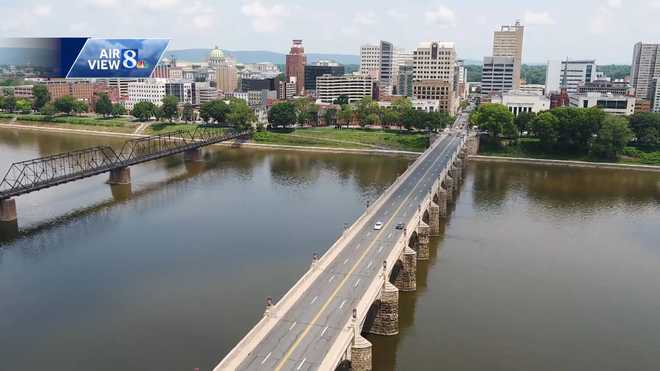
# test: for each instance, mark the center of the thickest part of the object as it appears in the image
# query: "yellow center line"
(346, 278)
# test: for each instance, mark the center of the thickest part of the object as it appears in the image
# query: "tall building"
(226, 77)
(645, 68)
(151, 90)
(405, 79)
(622, 105)
(370, 60)
(552, 77)
(574, 73)
(319, 69)
(433, 75)
(654, 92)
(508, 42)
(378, 62)
(184, 91)
(355, 87)
(497, 75)
(295, 65)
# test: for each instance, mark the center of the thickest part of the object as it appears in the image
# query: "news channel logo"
(118, 58)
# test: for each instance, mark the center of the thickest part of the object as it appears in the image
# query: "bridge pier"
(434, 219)
(423, 231)
(407, 279)
(121, 175)
(473, 145)
(387, 317)
(8, 210)
(193, 155)
(442, 201)
(458, 164)
(449, 181)
(361, 354)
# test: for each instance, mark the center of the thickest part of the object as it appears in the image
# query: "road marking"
(301, 363)
(358, 245)
(342, 304)
(406, 213)
(345, 261)
(370, 263)
(368, 234)
(324, 330)
(357, 282)
(314, 300)
(299, 339)
(292, 326)
(266, 359)
(331, 278)
(380, 248)
(389, 236)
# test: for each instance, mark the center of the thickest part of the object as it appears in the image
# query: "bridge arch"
(413, 241)
(396, 271)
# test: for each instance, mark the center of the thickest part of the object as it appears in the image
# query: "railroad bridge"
(354, 287)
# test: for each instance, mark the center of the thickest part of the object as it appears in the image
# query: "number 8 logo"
(129, 59)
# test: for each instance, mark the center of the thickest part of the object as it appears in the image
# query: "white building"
(151, 90)
(645, 67)
(569, 74)
(370, 60)
(433, 74)
(497, 75)
(533, 88)
(378, 62)
(654, 93)
(519, 101)
(355, 87)
(613, 104)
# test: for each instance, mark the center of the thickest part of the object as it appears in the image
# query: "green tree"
(412, 118)
(24, 105)
(371, 119)
(170, 108)
(545, 126)
(613, 136)
(118, 110)
(577, 127)
(365, 108)
(390, 117)
(49, 109)
(330, 116)
(345, 115)
(438, 120)
(341, 100)
(65, 104)
(494, 118)
(402, 105)
(282, 114)
(187, 112)
(646, 127)
(241, 115)
(41, 96)
(103, 105)
(215, 110)
(9, 103)
(79, 107)
(144, 111)
(523, 120)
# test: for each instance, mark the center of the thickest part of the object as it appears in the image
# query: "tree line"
(365, 113)
(570, 130)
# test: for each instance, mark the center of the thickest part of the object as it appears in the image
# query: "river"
(538, 268)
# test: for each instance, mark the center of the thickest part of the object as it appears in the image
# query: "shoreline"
(252, 145)
(566, 163)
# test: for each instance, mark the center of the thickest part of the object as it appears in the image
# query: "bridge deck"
(304, 334)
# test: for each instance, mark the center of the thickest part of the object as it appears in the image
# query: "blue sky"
(602, 29)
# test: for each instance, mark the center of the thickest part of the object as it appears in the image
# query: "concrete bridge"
(354, 287)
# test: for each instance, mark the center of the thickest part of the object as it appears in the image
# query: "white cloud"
(104, 4)
(397, 14)
(202, 21)
(601, 20)
(157, 4)
(538, 18)
(654, 4)
(616, 4)
(265, 18)
(441, 16)
(365, 19)
(41, 10)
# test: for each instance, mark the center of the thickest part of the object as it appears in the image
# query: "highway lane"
(303, 335)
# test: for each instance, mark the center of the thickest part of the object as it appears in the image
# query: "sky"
(605, 30)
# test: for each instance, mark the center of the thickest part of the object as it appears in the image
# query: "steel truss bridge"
(45, 172)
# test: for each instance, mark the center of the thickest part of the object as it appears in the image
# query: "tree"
(577, 127)
(187, 112)
(613, 135)
(330, 117)
(402, 105)
(371, 119)
(523, 120)
(170, 108)
(646, 127)
(494, 118)
(282, 114)
(411, 118)
(345, 115)
(144, 111)
(118, 110)
(437, 120)
(23, 105)
(365, 108)
(49, 109)
(79, 107)
(341, 100)
(215, 110)
(389, 117)
(545, 126)
(241, 115)
(103, 105)
(65, 104)
(9, 103)
(41, 96)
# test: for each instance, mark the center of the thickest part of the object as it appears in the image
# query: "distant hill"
(256, 56)
(27, 56)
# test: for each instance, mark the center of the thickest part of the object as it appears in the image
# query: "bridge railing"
(266, 323)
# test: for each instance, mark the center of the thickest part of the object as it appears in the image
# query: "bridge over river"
(354, 287)
(45, 172)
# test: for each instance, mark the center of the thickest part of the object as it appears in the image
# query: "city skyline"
(602, 30)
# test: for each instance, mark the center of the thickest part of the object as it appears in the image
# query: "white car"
(378, 226)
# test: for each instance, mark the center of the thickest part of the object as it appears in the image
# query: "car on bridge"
(378, 226)
(400, 226)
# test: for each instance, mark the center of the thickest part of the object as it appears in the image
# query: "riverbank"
(304, 148)
(566, 163)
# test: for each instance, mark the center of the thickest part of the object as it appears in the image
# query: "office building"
(258, 84)
(355, 87)
(295, 65)
(497, 75)
(405, 80)
(645, 68)
(319, 69)
(508, 42)
(613, 104)
(370, 60)
(150, 90)
(184, 91)
(605, 86)
(654, 93)
(286, 90)
(518, 101)
(83, 90)
(433, 74)
(378, 61)
(205, 93)
(226, 77)
(569, 74)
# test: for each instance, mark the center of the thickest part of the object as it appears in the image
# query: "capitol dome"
(216, 56)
